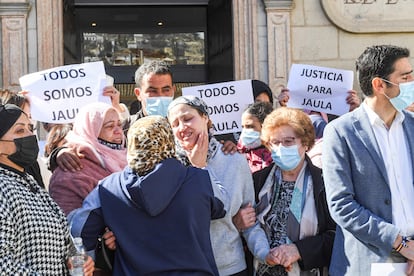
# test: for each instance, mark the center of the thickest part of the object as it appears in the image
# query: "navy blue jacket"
(161, 220)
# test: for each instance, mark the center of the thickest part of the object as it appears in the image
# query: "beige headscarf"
(150, 141)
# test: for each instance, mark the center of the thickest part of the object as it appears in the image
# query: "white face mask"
(250, 138)
(286, 158)
(158, 105)
(406, 96)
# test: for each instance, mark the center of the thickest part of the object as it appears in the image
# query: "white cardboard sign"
(319, 88)
(226, 102)
(57, 94)
(388, 269)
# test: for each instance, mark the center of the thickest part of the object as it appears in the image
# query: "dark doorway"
(220, 41)
(203, 19)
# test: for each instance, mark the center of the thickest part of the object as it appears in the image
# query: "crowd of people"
(297, 192)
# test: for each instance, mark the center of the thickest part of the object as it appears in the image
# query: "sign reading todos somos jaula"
(226, 102)
(319, 88)
(57, 94)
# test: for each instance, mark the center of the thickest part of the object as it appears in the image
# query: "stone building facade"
(269, 35)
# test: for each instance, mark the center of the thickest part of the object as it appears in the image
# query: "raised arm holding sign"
(319, 88)
(57, 94)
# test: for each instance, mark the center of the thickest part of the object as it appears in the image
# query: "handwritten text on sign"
(57, 94)
(319, 88)
(226, 102)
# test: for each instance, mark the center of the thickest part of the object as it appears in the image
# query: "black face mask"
(26, 153)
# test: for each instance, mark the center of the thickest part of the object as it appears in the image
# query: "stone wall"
(270, 35)
(317, 40)
(322, 32)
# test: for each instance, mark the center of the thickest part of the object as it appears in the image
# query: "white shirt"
(396, 156)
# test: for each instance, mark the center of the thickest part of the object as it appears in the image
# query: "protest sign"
(57, 94)
(319, 88)
(226, 102)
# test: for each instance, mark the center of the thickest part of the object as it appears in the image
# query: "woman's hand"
(287, 254)
(283, 97)
(228, 147)
(114, 95)
(88, 267)
(245, 217)
(198, 154)
(353, 100)
(109, 239)
(271, 259)
(69, 160)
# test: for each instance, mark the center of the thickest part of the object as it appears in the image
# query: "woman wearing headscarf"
(97, 136)
(158, 209)
(34, 235)
(10, 97)
(292, 206)
(192, 127)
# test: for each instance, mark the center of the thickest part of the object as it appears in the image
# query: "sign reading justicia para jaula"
(319, 88)
(371, 16)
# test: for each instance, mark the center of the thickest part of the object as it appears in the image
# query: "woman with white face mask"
(249, 142)
(291, 204)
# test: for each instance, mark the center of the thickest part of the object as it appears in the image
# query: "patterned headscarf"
(192, 101)
(150, 141)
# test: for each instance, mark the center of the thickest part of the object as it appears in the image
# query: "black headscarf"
(260, 87)
(9, 113)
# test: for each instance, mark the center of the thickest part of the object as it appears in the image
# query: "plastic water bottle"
(78, 259)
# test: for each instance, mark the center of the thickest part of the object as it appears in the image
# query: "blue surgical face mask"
(250, 139)
(286, 158)
(406, 96)
(157, 105)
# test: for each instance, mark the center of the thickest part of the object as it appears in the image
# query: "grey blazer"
(358, 193)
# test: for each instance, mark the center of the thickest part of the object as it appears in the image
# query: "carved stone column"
(14, 41)
(246, 64)
(49, 33)
(279, 44)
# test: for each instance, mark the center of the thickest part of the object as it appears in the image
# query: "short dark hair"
(260, 110)
(377, 61)
(153, 67)
(260, 87)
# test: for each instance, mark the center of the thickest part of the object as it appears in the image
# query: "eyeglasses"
(286, 141)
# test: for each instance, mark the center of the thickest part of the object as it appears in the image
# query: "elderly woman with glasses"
(291, 204)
